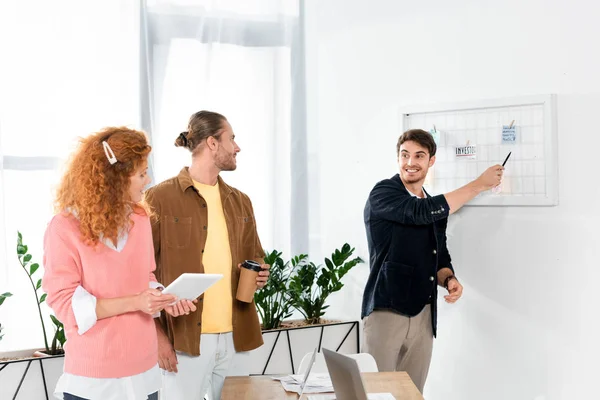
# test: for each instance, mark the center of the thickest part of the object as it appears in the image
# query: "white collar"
(414, 195)
(121, 240)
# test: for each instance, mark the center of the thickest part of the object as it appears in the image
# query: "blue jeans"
(67, 396)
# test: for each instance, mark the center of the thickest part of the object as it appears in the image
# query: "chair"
(365, 361)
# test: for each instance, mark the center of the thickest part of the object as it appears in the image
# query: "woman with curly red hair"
(99, 263)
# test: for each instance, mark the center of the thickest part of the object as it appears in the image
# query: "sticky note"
(436, 135)
(509, 134)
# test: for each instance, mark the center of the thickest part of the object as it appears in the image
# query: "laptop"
(307, 373)
(346, 380)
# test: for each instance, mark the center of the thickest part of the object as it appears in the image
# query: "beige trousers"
(400, 343)
(201, 375)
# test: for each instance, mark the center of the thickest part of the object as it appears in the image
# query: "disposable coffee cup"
(247, 283)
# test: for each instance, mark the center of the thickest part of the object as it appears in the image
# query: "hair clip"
(109, 153)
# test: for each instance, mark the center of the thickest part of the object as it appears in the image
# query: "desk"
(265, 388)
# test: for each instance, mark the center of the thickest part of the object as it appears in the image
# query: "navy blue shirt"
(407, 246)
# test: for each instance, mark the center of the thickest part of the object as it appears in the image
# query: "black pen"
(506, 159)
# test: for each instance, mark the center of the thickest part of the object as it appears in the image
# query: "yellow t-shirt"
(217, 311)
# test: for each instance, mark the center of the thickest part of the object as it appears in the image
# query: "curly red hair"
(95, 190)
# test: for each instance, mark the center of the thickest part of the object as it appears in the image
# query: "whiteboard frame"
(550, 143)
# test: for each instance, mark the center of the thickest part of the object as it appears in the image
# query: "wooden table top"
(398, 384)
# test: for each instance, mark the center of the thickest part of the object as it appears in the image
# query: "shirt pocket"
(245, 227)
(177, 231)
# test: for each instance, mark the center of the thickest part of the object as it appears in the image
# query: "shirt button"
(204, 227)
(176, 219)
(431, 278)
(435, 252)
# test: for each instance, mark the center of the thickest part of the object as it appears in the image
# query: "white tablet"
(189, 286)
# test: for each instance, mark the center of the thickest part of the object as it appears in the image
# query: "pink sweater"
(115, 347)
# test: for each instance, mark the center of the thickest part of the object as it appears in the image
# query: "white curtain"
(67, 69)
(234, 58)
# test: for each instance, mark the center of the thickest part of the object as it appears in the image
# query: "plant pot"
(302, 323)
(25, 376)
(285, 346)
(42, 353)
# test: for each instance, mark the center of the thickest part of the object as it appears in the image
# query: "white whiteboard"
(530, 177)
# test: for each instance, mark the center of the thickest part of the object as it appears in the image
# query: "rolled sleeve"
(84, 309)
(156, 285)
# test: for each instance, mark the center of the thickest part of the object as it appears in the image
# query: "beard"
(225, 162)
(413, 178)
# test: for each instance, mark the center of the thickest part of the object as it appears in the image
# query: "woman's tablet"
(189, 286)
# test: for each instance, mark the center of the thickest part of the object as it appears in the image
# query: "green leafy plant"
(59, 339)
(273, 302)
(3, 297)
(309, 298)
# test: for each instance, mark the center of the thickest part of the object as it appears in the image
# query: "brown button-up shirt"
(179, 230)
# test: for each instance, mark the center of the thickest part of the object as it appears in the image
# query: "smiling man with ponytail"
(204, 225)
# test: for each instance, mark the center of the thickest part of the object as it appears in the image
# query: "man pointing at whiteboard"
(406, 233)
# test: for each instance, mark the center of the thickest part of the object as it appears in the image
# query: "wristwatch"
(448, 280)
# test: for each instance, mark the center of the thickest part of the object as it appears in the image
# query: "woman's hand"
(151, 301)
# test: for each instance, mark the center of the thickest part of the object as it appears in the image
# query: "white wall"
(526, 325)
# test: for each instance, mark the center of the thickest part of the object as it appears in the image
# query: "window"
(235, 59)
(68, 69)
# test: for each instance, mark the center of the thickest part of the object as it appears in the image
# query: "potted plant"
(301, 285)
(16, 367)
(58, 340)
(273, 302)
(310, 299)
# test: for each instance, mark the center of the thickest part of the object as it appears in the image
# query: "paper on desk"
(370, 396)
(317, 383)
